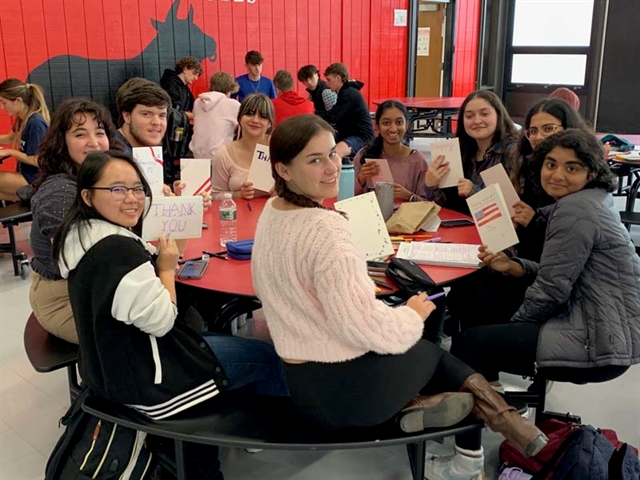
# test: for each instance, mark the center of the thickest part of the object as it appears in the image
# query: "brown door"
(429, 49)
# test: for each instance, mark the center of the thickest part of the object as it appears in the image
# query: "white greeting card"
(497, 174)
(149, 159)
(260, 172)
(195, 173)
(491, 215)
(450, 149)
(181, 217)
(367, 225)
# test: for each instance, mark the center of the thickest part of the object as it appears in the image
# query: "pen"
(433, 240)
(249, 206)
(181, 262)
(431, 298)
(220, 255)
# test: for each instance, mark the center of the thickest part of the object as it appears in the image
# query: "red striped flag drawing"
(205, 187)
(487, 214)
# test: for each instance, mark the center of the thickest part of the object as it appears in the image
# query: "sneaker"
(435, 411)
(463, 465)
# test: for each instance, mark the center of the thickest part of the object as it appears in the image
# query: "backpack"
(409, 277)
(175, 144)
(574, 452)
(95, 448)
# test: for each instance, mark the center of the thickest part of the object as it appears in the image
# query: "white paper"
(497, 174)
(450, 149)
(179, 216)
(385, 172)
(399, 18)
(442, 254)
(260, 172)
(195, 173)
(367, 226)
(492, 218)
(432, 225)
(424, 37)
(149, 159)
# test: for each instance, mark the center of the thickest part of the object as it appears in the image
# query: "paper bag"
(411, 216)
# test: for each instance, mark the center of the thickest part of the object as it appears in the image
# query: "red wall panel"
(465, 62)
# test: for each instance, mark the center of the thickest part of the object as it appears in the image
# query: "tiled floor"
(31, 404)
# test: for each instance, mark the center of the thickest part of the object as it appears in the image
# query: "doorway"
(430, 48)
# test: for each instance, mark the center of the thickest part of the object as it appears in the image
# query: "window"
(549, 69)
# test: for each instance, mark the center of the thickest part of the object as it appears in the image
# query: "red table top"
(234, 276)
(427, 103)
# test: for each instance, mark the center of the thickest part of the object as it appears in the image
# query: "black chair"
(630, 218)
(236, 420)
(10, 217)
(48, 353)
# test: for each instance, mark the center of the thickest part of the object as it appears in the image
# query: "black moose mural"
(67, 76)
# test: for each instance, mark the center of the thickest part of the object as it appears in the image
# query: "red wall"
(465, 59)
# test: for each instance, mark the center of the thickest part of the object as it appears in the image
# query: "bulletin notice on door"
(424, 35)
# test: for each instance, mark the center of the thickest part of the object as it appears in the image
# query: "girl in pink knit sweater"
(350, 360)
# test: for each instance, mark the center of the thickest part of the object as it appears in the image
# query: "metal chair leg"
(416, 453)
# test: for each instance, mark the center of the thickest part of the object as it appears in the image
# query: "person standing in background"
(253, 81)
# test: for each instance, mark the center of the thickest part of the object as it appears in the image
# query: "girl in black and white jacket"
(132, 351)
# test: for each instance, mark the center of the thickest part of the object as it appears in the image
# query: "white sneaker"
(463, 465)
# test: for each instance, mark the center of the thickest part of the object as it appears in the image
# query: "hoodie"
(289, 104)
(350, 116)
(215, 118)
(323, 102)
(132, 351)
(181, 97)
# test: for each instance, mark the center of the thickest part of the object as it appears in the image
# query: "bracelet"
(412, 197)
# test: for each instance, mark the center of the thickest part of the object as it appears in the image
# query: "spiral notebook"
(441, 254)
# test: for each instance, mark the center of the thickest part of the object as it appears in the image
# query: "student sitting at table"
(232, 161)
(26, 102)
(78, 127)
(407, 165)
(320, 94)
(580, 318)
(487, 137)
(288, 103)
(350, 360)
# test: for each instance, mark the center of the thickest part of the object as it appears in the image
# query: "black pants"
(512, 348)
(372, 389)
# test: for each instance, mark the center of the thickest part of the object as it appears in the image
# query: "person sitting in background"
(407, 165)
(321, 95)
(253, 81)
(580, 318)
(568, 96)
(350, 115)
(26, 102)
(487, 137)
(288, 103)
(350, 360)
(232, 161)
(214, 116)
(176, 83)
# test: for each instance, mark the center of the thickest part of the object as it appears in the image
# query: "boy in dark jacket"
(176, 82)
(320, 94)
(350, 115)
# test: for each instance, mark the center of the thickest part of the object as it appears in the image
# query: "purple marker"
(433, 240)
(431, 298)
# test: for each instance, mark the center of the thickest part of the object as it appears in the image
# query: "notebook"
(441, 254)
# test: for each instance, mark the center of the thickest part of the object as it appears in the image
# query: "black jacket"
(350, 116)
(181, 97)
(132, 350)
(316, 98)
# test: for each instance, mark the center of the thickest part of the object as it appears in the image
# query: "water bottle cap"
(227, 195)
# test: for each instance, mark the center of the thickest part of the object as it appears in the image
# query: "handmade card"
(260, 173)
(441, 254)
(195, 173)
(450, 149)
(492, 218)
(149, 159)
(181, 217)
(367, 225)
(497, 174)
(385, 172)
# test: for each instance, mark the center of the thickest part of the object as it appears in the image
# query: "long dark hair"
(588, 151)
(505, 129)
(375, 149)
(80, 214)
(53, 155)
(288, 140)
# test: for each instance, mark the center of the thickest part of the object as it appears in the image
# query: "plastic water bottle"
(347, 179)
(228, 213)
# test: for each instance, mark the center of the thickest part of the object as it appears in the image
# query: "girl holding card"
(580, 318)
(407, 165)
(232, 161)
(487, 137)
(350, 360)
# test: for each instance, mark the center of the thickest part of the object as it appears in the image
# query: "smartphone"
(457, 222)
(193, 269)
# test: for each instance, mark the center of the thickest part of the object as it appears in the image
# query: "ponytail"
(32, 97)
(37, 103)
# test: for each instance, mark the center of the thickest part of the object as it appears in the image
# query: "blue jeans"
(250, 364)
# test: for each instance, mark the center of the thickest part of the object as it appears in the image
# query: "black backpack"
(176, 142)
(94, 448)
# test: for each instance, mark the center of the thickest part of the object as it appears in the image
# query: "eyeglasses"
(120, 193)
(545, 130)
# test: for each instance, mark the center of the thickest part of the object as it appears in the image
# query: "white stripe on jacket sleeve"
(141, 300)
